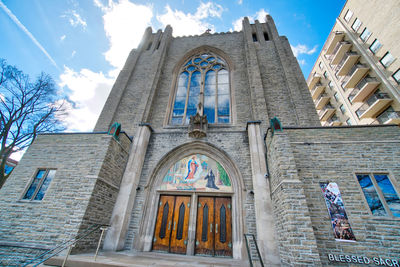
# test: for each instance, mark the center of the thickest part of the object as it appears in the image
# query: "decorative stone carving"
(198, 125)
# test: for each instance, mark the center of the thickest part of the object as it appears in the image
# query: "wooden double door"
(213, 225)
(171, 232)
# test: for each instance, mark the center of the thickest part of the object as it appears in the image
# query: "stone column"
(116, 234)
(262, 198)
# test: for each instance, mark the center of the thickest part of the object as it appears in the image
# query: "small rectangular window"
(325, 74)
(266, 38)
(396, 76)
(158, 45)
(330, 84)
(381, 196)
(320, 65)
(375, 46)
(348, 15)
(365, 35)
(387, 60)
(39, 184)
(356, 24)
(254, 37)
(342, 109)
(149, 46)
(336, 95)
(348, 121)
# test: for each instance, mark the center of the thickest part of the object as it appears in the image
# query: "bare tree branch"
(27, 109)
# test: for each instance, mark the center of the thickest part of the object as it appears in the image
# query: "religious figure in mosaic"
(197, 173)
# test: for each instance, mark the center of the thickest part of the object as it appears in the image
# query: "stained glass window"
(203, 86)
(39, 184)
(380, 194)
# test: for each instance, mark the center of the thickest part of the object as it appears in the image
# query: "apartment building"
(356, 78)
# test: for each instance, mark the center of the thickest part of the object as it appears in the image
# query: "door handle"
(169, 225)
(216, 228)
(210, 227)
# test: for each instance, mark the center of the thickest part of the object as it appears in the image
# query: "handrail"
(63, 245)
(248, 250)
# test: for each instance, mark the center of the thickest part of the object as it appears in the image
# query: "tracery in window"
(203, 87)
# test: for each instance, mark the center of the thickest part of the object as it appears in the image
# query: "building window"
(330, 84)
(325, 74)
(348, 121)
(266, 38)
(39, 184)
(348, 15)
(342, 109)
(381, 196)
(365, 35)
(375, 46)
(336, 95)
(356, 24)
(387, 59)
(254, 37)
(203, 87)
(320, 65)
(396, 76)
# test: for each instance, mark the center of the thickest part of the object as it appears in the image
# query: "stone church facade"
(201, 161)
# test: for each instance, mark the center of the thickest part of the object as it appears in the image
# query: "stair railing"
(66, 244)
(249, 252)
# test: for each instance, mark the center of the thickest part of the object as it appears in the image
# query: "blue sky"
(84, 44)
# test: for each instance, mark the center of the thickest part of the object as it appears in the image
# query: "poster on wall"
(197, 173)
(340, 223)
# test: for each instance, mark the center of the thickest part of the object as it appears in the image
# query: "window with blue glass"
(202, 87)
(381, 195)
(39, 184)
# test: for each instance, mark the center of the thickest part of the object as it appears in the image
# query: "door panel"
(180, 224)
(162, 232)
(204, 229)
(223, 227)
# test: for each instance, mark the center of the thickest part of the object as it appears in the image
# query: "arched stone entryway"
(156, 191)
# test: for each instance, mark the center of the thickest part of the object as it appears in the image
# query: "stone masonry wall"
(78, 160)
(336, 155)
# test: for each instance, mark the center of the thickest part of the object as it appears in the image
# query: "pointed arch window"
(203, 86)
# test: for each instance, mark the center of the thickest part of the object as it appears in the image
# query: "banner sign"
(340, 223)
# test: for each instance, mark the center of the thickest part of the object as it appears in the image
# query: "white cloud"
(259, 15)
(240, 2)
(25, 30)
(302, 61)
(190, 24)
(75, 19)
(62, 38)
(303, 49)
(124, 25)
(73, 54)
(89, 91)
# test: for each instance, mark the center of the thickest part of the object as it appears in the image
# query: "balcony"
(321, 101)
(325, 113)
(355, 74)
(339, 51)
(333, 121)
(389, 117)
(364, 88)
(314, 79)
(335, 38)
(317, 90)
(374, 104)
(348, 61)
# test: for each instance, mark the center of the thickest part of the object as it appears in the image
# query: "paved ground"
(112, 259)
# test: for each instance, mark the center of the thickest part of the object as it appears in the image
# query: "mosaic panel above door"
(197, 173)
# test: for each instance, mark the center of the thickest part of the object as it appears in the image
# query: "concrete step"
(136, 259)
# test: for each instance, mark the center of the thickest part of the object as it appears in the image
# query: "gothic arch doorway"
(194, 204)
